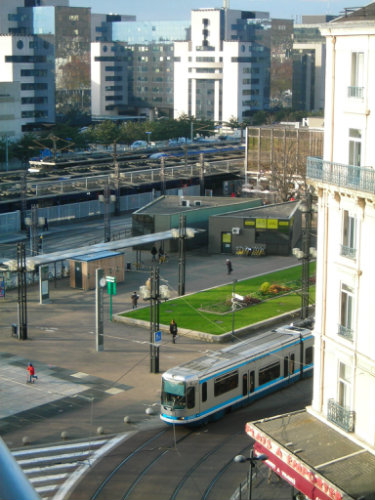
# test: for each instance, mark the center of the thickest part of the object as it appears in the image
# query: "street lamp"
(33, 223)
(107, 198)
(305, 254)
(182, 233)
(148, 138)
(252, 459)
(154, 292)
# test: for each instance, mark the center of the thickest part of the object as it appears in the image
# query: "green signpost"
(111, 290)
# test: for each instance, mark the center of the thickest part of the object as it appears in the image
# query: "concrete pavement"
(80, 390)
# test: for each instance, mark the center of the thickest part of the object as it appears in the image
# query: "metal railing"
(356, 92)
(340, 416)
(349, 252)
(341, 175)
(345, 332)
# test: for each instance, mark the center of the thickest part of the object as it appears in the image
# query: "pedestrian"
(154, 252)
(134, 297)
(161, 256)
(32, 375)
(173, 330)
(229, 266)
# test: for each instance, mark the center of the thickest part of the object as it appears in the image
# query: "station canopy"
(33, 262)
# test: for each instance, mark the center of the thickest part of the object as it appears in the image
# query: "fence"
(11, 222)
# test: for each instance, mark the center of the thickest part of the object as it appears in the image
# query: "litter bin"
(14, 330)
(128, 266)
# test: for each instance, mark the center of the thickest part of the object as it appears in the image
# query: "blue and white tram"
(205, 388)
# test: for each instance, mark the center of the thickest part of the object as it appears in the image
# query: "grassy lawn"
(191, 311)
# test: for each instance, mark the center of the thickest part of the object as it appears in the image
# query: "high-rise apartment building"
(29, 60)
(309, 53)
(70, 28)
(223, 72)
(144, 75)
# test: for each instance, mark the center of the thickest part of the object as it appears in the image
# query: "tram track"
(184, 463)
(190, 457)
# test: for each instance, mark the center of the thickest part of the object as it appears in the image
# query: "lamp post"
(154, 292)
(233, 304)
(33, 223)
(252, 459)
(22, 292)
(182, 233)
(107, 198)
(305, 254)
(148, 138)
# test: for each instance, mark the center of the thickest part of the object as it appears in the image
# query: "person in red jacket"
(32, 375)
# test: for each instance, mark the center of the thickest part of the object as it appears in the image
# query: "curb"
(207, 337)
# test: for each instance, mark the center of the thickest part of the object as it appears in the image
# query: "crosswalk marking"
(54, 470)
(34, 451)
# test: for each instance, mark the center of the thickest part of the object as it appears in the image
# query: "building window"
(344, 385)
(346, 312)
(356, 77)
(349, 233)
(355, 138)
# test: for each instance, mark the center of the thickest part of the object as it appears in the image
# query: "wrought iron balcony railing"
(345, 332)
(341, 416)
(341, 175)
(356, 92)
(349, 252)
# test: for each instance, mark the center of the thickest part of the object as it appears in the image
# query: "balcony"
(356, 92)
(341, 175)
(345, 332)
(348, 252)
(340, 416)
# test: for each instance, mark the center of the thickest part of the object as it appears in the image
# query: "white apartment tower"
(223, 71)
(109, 79)
(29, 60)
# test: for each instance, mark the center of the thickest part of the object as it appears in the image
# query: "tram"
(206, 388)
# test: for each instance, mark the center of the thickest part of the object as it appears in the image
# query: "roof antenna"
(226, 4)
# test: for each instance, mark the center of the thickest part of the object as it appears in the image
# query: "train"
(206, 388)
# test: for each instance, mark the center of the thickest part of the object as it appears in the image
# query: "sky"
(156, 10)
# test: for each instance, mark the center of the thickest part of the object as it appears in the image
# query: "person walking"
(32, 375)
(153, 253)
(229, 266)
(134, 297)
(173, 330)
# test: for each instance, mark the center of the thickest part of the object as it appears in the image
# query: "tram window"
(244, 384)
(291, 364)
(225, 383)
(252, 381)
(309, 355)
(190, 397)
(286, 366)
(204, 391)
(269, 373)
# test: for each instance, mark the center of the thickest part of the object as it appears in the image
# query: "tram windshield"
(173, 394)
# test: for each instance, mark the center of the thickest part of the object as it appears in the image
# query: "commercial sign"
(292, 469)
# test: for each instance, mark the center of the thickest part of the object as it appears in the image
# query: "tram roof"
(253, 347)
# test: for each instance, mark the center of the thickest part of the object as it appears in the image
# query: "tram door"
(246, 387)
(289, 365)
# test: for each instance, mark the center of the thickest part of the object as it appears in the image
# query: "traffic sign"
(157, 337)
